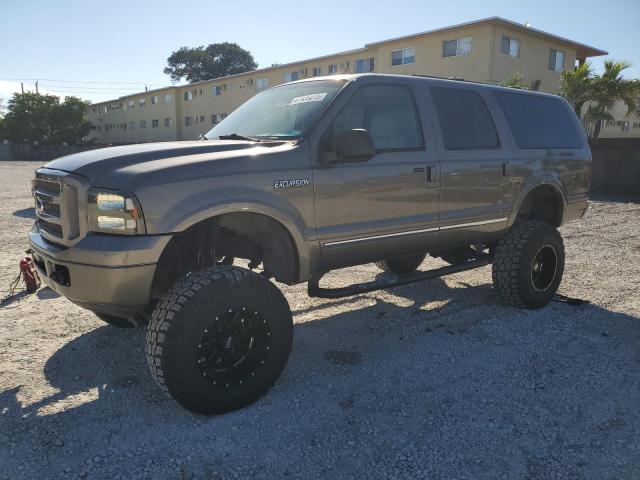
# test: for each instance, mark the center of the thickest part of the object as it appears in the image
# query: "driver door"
(385, 206)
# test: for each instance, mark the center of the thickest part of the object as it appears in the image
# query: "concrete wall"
(616, 167)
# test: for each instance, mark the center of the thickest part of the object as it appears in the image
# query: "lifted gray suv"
(302, 179)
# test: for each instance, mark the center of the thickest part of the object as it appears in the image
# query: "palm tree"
(577, 86)
(609, 88)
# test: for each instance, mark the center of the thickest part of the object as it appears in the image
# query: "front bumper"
(104, 273)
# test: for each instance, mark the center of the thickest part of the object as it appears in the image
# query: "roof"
(582, 49)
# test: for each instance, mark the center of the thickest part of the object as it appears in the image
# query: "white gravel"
(434, 380)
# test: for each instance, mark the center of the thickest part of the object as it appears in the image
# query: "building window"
(143, 124)
(365, 65)
(202, 118)
(168, 98)
(246, 83)
(510, 46)
(216, 91)
(132, 103)
(262, 84)
(556, 60)
(636, 125)
(404, 56)
(316, 72)
(291, 76)
(167, 122)
(154, 100)
(155, 123)
(188, 96)
(333, 69)
(106, 109)
(187, 121)
(457, 47)
(624, 126)
(142, 102)
(217, 118)
(132, 125)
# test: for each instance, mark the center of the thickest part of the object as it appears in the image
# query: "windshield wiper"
(235, 136)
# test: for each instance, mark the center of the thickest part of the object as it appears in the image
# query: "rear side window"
(465, 121)
(539, 122)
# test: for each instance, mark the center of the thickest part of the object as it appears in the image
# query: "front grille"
(57, 209)
(50, 228)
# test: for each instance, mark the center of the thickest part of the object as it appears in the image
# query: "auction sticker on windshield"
(316, 97)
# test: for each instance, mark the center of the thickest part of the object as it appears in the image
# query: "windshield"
(284, 113)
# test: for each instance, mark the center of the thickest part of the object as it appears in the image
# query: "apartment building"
(487, 51)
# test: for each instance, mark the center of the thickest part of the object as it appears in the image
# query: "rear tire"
(219, 339)
(528, 265)
(402, 265)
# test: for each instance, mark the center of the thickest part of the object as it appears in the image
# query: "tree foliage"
(33, 117)
(206, 63)
(600, 92)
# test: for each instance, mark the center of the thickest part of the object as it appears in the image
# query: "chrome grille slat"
(60, 205)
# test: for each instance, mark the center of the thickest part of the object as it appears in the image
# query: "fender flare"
(531, 185)
(290, 222)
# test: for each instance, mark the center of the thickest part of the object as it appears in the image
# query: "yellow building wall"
(485, 63)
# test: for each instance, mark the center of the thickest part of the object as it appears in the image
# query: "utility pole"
(22, 87)
(36, 87)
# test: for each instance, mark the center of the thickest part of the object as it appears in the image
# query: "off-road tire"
(513, 265)
(402, 265)
(189, 309)
(134, 321)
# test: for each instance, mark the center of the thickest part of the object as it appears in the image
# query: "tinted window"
(387, 112)
(539, 122)
(465, 121)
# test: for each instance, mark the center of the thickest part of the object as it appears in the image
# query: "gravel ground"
(434, 380)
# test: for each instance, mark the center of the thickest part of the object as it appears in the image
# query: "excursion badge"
(292, 182)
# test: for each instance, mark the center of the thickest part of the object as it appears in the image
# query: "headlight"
(113, 211)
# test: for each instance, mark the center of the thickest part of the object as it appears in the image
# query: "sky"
(102, 50)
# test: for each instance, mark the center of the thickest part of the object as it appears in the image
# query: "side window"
(465, 121)
(539, 122)
(387, 112)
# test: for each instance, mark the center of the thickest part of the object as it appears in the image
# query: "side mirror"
(355, 146)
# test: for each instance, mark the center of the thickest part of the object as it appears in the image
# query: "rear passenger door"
(475, 188)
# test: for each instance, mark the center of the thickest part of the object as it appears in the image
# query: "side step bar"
(314, 289)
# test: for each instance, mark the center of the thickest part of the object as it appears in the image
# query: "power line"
(77, 81)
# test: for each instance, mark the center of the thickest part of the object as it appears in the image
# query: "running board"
(314, 289)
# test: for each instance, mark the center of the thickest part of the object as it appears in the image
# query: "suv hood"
(101, 164)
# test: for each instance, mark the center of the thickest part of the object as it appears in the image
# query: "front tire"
(402, 265)
(219, 339)
(528, 265)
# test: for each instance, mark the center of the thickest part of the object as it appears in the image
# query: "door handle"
(432, 175)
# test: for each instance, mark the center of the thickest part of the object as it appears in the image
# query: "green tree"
(609, 88)
(515, 80)
(33, 117)
(576, 86)
(206, 63)
(68, 124)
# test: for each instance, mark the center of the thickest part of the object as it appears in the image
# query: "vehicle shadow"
(25, 213)
(451, 373)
